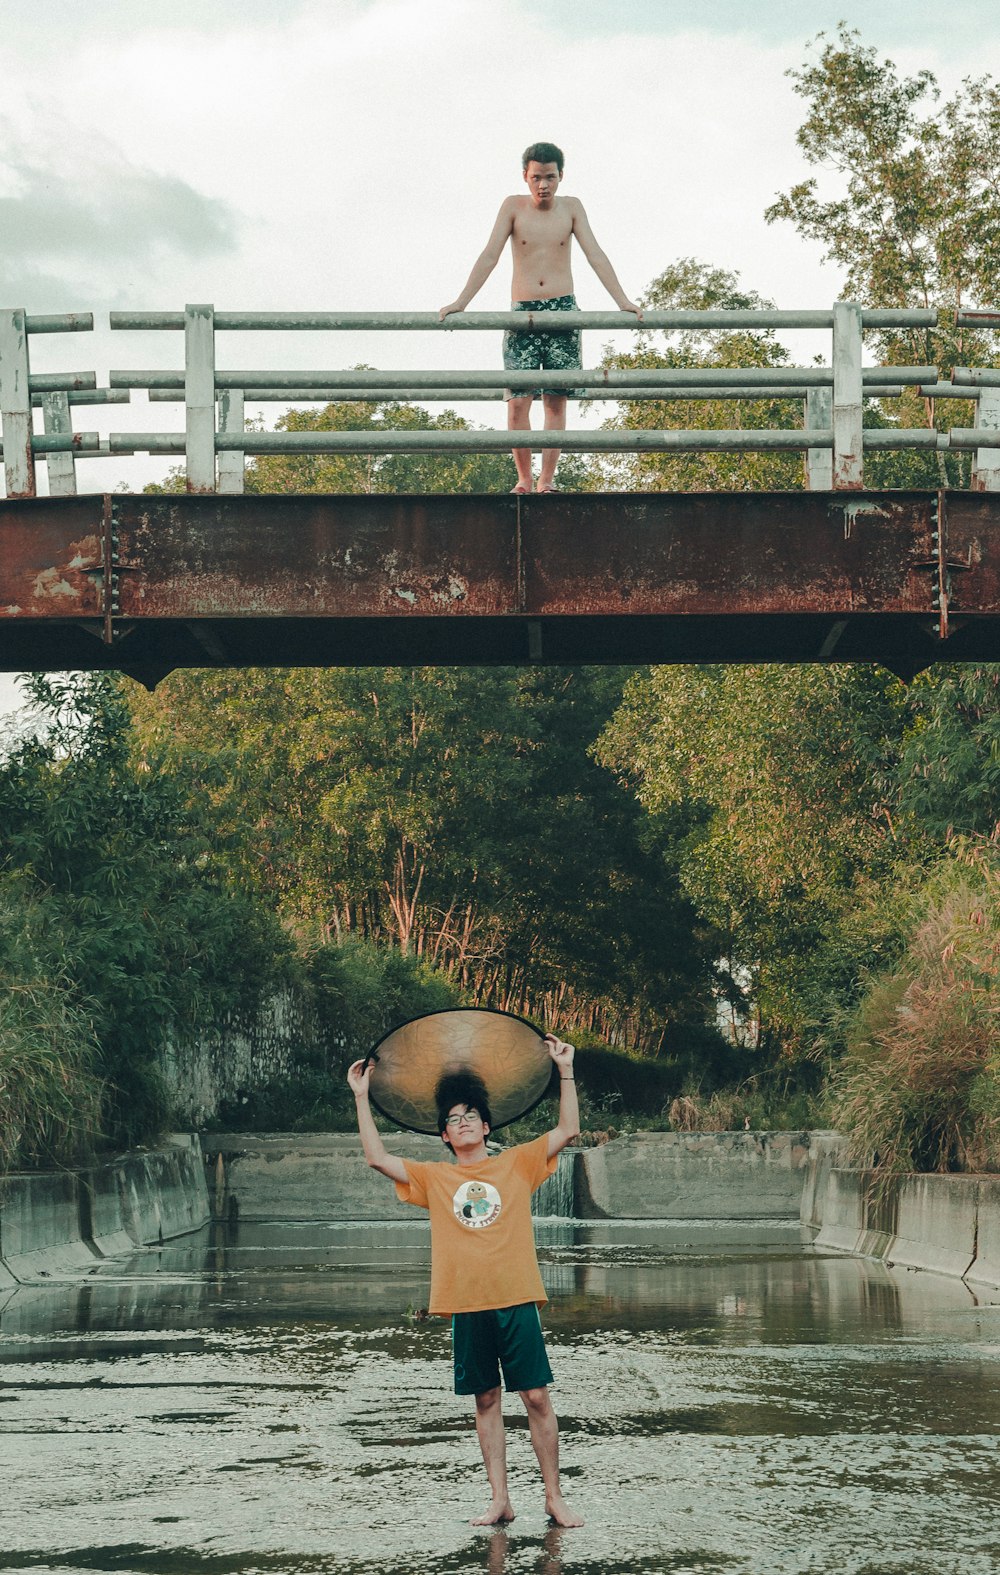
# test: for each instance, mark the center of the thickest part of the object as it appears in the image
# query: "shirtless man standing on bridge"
(540, 228)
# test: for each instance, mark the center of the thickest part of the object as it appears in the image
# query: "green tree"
(449, 473)
(950, 765)
(791, 771)
(453, 813)
(694, 286)
(916, 221)
(120, 882)
(378, 473)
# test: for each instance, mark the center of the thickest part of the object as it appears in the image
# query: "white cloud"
(64, 227)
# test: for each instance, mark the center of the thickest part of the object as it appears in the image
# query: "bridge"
(218, 577)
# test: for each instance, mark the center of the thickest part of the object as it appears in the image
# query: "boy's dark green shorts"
(507, 1337)
(551, 350)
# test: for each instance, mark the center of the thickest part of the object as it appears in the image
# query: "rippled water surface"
(269, 1399)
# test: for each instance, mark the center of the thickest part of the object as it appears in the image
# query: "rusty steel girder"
(145, 583)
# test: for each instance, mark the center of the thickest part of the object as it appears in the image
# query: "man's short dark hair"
(542, 153)
(461, 1088)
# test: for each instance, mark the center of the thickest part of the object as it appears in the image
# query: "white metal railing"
(19, 387)
(215, 443)
(832, 427)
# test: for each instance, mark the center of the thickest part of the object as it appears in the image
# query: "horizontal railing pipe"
(592, 378)
(983, 317)
(472, 442)
(925, 390)
(64, 443)
(449, 441)
(974, 437)
(362, 396)
(976, 376)
(60, 382)
(904, 437)
(471, 321)
(147, 443)
(59, 322)
(946, 391)
(92, 396)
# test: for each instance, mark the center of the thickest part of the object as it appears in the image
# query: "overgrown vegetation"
(910, 209)
(454, 814)
(689, 285)
(50, 1090)
(118, 926)
(358, 991)
(919, 1086)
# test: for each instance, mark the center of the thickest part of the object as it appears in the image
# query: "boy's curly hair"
(461, 1088)
(542, 153)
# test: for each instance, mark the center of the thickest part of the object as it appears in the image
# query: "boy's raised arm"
(568, 1125)
(376, 1152)
(486, 261)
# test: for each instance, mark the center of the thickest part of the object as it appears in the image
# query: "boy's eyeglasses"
(467, 1116)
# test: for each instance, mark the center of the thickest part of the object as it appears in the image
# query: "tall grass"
(919, 1088)
(50, 1093)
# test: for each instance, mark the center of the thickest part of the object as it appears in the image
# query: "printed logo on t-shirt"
(477, 1204)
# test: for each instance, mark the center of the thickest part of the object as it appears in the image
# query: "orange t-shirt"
(482, 1242)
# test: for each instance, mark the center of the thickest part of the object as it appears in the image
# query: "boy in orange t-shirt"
(484, 1271)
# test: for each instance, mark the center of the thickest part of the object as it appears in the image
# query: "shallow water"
(269, 1400)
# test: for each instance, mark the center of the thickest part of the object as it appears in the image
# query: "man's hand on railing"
(454, 306)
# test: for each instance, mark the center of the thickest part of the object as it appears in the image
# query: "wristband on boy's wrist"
(566, 1079)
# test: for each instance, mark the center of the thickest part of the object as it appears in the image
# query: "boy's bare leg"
(493, 1443)
(518, 420)
(555, 421)
(544, 1430)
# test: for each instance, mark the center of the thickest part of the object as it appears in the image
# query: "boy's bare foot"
(500, 1511)
(559, 1511)
(521, 489)
(547, 489)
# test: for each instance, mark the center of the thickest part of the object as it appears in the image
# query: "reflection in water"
(269, 1398)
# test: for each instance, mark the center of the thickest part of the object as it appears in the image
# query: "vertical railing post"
(848, 442)
(199, 397)
(61, 468)
(986, 465)
(15, 404)
(819, 461)
(231, 419)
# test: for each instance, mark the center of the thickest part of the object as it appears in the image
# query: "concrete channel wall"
(58, 1222)
(697, 1175)
(645, 1175)
(63, 1222)
(305, 1176)
(948, 1224)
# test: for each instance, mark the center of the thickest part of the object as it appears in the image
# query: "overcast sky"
(351, 154)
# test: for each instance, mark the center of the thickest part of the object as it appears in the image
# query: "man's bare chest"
(542, 232)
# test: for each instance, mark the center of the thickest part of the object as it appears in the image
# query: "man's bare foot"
(499, 1512)
(549, 488)
(559, 1511)
(521, 489)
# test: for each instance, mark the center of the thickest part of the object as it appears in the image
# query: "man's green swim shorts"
(558, 351)
(507, 1337)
